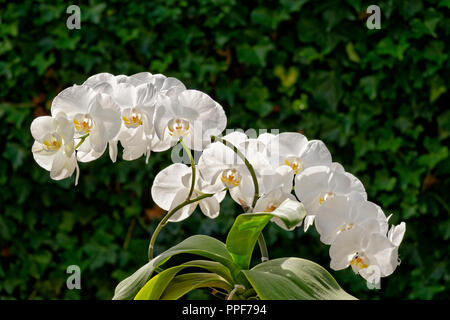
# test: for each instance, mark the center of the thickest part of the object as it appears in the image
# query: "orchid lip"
(83, 123)
(178, 127)
(52, 142)
(295, 163)
(132, 118)
(358, 262)
(325, 197)
(231, 178)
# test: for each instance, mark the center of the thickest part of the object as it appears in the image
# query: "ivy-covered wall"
(377, 98)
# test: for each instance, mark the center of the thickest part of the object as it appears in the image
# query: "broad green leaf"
(294, 279)
(199, 245)
(244, 233)
(185, 283)
(156, 285)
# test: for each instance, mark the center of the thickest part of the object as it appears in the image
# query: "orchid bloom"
(191, 115)
(370, 254)
(318, 184)
(343, 213)
(136, 133)
(220, 163)
(137, 95)
(53, 148)
(294, 150)
(172, 186)
(94, 116)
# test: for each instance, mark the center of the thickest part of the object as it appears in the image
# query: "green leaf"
(351, 53)
(388, 47)
(437, 88)
(326, 88)
(244, 233)
(199, 245)
(253, 55)
(185, 283)
(294, 279)
(444, 3)
(287, 77)
(156, 285)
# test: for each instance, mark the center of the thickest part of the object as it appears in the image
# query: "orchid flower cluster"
(152, 113)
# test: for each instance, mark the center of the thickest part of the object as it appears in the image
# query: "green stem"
(81, 141)
(261, 241)
(237, 287)
(192, 166)
(263, 248)
(164, 220)
(247, 164)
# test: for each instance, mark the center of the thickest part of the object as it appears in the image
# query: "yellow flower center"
(52, 142)
(347, 227)
(325, 197)
(132, 119)
(295, 164)
(358, 263)
(271, 207)
(178, 127)
(83, 123)
(231, 178)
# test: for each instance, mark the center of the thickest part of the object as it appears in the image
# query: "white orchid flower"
(137, 135)
(294, 149)
(53, 148)
(219, 163)
(191, 115)
(276, 188)
(172, 186)
(343, 213)
(371, 255)
(163, 85)
(269, 202)
(143, 140)
(278, 178)
(92, 114)
(318, 184)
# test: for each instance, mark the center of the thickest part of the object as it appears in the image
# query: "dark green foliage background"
(377, 98)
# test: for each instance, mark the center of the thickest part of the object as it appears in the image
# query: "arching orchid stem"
(261, 241)
(166, 218)
(192, 166)
(81, 141)
(263, 248)
(247, 164)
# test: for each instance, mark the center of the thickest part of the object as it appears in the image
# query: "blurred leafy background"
(377, 98)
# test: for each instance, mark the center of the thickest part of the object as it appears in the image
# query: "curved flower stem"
(164, 220)
(263, 248)
(247, 164)
(81, 141)
(261, 241)
(192, 166)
